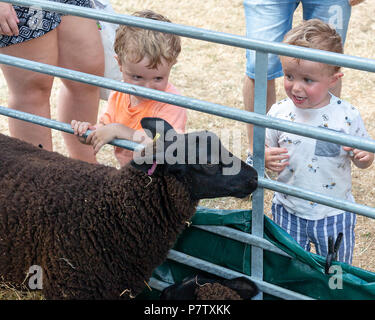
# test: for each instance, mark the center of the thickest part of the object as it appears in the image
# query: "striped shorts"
(317, 232)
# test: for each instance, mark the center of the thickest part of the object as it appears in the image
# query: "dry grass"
(214, 72)
(9, 292)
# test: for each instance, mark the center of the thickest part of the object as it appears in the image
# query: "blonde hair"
(315, 34)
(136, 43)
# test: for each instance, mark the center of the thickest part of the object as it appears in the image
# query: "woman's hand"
(8, 20)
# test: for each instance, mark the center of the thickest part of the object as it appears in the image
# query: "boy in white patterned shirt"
(311, 164)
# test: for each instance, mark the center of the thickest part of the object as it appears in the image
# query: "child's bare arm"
(107, 133)
(361, 159)
(274, 157)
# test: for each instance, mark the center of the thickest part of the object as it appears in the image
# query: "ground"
(214, 72)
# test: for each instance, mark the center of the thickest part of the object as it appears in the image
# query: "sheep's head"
(197, 158)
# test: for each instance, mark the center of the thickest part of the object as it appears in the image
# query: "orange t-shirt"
(119, 111)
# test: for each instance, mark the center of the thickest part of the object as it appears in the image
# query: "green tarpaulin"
(302, 272)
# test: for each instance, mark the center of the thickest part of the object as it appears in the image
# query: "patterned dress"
(34, 23)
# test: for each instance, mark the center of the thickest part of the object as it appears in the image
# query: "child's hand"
(355, 2)
(80, 128)
(274, 157)
(101, 136)
(362, 159)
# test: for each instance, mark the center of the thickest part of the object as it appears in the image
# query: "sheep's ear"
(155, 125)
(152, 127)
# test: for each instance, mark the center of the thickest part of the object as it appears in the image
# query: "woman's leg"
(80, 48)
(30, 91)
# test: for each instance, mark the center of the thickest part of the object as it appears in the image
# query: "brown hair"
(315, 34)
(136, 43)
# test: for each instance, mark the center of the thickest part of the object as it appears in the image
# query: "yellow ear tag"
(157, 136)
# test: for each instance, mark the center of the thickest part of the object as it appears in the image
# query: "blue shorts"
(317, 232)
(270, 20)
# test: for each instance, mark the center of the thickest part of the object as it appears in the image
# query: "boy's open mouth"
(298, 100)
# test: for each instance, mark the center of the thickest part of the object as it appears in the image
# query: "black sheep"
(97, 232)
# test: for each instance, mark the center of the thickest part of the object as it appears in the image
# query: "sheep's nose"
(254, 182)
(252, 177)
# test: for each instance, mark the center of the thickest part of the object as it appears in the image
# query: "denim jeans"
(270, 20)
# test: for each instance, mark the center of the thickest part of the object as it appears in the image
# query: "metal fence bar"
(194, 104)
(227, 274)
(220, 271)
(205, 34)
(260, 102)
(157, 284)
(231, 234)
(243, 237)
(317, 197)
(61, 126)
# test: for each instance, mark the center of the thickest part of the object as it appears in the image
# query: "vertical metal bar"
(260, 102)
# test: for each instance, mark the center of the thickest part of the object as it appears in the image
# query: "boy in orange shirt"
(145, 58)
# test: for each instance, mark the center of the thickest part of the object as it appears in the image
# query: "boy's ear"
(118, 61)
(336, 77)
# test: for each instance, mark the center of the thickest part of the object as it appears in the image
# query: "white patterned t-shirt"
(315, 165)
